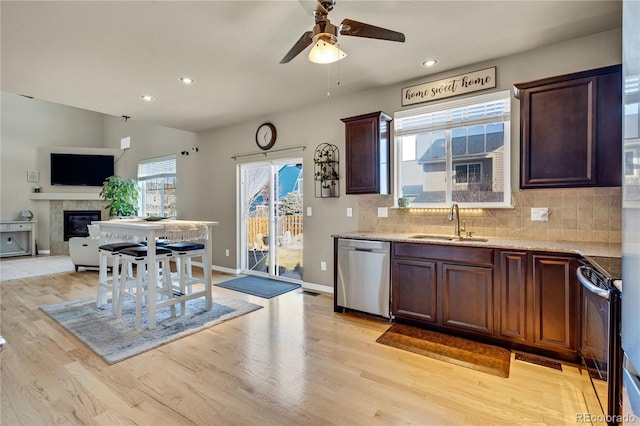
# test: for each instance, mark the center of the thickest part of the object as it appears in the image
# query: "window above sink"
(467, 140)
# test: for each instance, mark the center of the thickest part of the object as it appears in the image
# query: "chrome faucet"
(454, 214)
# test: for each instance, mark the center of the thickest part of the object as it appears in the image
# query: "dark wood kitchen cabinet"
(367, 147)
(513, 296)
(520, 299)
(447, 286)
(467, 297)
(571, 130)
(415, 298)
(556, 308)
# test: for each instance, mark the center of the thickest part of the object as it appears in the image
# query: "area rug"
(258, 286)
(25, 267)
(454, 350)
(117, 339)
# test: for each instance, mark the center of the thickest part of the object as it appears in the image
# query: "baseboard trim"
(317, 287)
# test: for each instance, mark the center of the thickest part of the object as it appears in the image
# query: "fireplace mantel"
(51, 196)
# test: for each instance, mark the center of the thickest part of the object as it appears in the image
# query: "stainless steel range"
(600, 344)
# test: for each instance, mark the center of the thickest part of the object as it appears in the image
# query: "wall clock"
(266, 136)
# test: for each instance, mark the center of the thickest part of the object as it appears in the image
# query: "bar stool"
(139, 283)
(183, 252)
(108, 253)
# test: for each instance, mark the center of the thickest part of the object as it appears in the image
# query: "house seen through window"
(157, 179)
(455, 151)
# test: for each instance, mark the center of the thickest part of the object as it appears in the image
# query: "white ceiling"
(101, 56)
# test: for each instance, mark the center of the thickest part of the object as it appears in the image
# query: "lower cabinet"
(414, 290)
(522, 299)
(555, 292)
(467, 297)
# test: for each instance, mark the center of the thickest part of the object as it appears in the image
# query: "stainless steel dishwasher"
(363, 278)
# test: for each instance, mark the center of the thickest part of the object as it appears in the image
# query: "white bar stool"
(183, 252)
(108, 254)
(135, 287)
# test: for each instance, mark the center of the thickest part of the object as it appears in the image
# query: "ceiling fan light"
(324, 52)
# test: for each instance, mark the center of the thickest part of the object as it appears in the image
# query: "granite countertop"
(572, 247)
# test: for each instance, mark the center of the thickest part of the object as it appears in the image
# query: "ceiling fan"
(325, 35)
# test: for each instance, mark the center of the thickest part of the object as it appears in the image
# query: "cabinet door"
(555, 303)
(559, 134)
(570, 130)
(367, 148)
(414, 290)
(467, 297)
(513, 295)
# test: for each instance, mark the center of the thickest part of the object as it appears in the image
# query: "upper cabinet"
(571, 130)
(367, 146)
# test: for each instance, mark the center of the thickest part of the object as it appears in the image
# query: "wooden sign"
(453, 86)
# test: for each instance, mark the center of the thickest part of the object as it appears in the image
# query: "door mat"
(454, 350)
(258, 286)
(531, 359)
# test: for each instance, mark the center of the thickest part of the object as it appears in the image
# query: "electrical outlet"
(349, 212)
(323, 266)
(539, 214)
(383, 212)
(226, 252)
(309, 211)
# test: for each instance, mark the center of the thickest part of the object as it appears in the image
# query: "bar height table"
(176, 230)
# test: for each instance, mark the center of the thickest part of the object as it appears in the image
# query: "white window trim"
(155, 176)
(457, 103)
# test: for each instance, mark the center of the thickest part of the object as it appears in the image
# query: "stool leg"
(139, 286)
(183, 282)
(102, 282)
(126, 276)
(115, 283)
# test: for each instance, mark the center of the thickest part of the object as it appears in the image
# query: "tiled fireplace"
(76, 214)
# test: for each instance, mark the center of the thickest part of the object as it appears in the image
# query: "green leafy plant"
(123, 194)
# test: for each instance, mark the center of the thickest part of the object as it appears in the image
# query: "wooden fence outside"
(260, 225)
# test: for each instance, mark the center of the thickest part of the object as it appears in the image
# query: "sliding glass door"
(271, 218)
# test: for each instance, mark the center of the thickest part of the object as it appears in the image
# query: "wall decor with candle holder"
(326, 163)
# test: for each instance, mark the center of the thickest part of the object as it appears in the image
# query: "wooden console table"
(149, 231)
(18, 238)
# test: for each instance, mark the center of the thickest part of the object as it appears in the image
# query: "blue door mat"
(258, 286)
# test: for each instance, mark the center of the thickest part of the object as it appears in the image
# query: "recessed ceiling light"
(187, 80)
(147, 98)
(429, 63)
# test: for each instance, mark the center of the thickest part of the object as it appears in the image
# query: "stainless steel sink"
(433, 237)
(446, 238)
(473, 239)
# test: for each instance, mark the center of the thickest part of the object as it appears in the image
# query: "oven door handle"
(586, 283)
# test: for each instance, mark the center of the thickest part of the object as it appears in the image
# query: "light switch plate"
(539, 214)
(349, 212)
(383, 212)
(309, 211)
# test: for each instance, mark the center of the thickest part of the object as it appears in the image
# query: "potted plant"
(123, 194)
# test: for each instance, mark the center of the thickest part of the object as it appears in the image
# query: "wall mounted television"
(81, 169)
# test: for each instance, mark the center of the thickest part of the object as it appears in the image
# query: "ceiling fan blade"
(359, 29)
(303, 42)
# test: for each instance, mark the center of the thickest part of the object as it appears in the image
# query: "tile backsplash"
(583, 214)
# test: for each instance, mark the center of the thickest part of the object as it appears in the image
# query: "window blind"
(476, 110)
(157, 168)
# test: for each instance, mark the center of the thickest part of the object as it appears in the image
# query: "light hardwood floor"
(293, 362)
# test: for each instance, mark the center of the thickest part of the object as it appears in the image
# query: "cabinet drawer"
(466, 255)
(16, 227)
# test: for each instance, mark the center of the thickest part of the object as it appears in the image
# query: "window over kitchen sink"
(455, 151)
